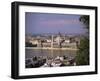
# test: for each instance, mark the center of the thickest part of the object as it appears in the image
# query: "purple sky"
(39, 23)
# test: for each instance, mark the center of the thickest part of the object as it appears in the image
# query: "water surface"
(49, 52)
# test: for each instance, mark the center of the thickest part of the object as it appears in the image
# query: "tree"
(85, 20)
(82, 57)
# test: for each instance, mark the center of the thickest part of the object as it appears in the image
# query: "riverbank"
(58, 61)
(49, 48)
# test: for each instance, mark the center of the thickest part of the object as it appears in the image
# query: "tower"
(52, 41)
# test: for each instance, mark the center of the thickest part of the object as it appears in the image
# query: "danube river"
(29, 53)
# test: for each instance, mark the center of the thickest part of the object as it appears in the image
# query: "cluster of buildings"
(58, 61)
(53, 41)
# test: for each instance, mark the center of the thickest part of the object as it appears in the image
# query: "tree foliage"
(85, 20)
(82, 57)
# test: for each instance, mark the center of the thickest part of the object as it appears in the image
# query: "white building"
(48, 40)
(58, 39)
(34, 41)
(67, 41)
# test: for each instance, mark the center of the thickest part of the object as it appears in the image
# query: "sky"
(40, 23)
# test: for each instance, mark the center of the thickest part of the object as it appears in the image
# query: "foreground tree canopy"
(82, 57)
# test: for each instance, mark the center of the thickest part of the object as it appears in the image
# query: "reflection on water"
(49, 52)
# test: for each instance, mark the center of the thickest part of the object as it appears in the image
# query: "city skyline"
(40, 23)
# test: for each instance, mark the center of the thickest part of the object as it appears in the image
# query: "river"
(29, 53)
